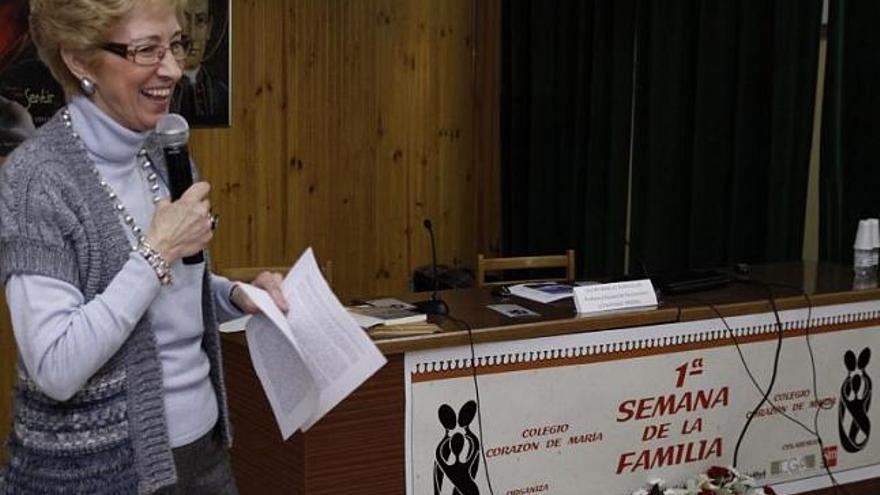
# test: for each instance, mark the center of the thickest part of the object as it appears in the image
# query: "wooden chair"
(485, 265)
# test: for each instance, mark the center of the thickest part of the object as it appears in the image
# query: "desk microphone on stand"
(435, 305)
(173, 133)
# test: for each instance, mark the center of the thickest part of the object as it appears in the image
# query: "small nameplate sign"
(618, 295)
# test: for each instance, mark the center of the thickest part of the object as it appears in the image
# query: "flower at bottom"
(719, 473)
(717, 480)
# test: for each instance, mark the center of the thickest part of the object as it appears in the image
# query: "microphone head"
(427, 223)
(172, 130)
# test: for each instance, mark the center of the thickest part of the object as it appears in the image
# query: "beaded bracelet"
(156, 261)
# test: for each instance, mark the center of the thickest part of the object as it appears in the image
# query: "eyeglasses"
(147, 55)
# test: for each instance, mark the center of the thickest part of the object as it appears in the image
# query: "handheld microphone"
(173, 133)
(435, 305)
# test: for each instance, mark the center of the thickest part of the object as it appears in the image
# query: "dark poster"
(202, 95)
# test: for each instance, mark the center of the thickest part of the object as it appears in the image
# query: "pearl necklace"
(146, 165)
(156, 261)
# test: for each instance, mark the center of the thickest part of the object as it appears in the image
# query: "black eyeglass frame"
(130, 53)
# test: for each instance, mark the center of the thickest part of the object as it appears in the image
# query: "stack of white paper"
(544, 292)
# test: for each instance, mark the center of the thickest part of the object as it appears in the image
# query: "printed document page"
(319, 356)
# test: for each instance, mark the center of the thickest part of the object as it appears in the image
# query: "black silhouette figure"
(444, 449)
(854, 426)
(457, 457)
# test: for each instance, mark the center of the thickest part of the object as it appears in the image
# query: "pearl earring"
(87, 86)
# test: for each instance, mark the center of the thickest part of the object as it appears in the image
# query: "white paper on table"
(512, 310)
(615, 296)
(542, 292)
(390, 302)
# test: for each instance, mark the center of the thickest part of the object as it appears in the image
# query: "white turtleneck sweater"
(63, 340)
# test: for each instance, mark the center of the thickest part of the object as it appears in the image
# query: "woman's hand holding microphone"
(184, 227)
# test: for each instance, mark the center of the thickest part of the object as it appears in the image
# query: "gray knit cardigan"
(111, 437)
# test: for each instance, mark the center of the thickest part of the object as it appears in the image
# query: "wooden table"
(359, 446)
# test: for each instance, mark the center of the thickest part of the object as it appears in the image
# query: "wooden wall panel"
(353, 121)
(487, 117)
(245, 163)
(381, 134)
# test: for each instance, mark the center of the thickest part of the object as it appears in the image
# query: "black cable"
(742, 359)
(463, 324)
(765, 394)
(820, 406)
(774, 373)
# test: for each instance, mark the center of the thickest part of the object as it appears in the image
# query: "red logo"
(830, 456)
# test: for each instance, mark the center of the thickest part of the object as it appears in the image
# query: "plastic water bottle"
(864, 264)
(875, 242)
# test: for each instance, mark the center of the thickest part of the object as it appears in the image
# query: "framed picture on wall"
(202, 95)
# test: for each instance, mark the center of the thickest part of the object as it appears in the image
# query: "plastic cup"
(875, 241)
(874, 232)
(864, 239)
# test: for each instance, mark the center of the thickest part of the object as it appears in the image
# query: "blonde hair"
(80, 26)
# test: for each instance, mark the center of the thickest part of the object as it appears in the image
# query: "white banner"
(605, 412)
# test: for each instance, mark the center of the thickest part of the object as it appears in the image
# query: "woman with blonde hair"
(119, 386)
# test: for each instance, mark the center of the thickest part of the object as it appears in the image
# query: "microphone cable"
(765, 394)
(820, 405)
(742, 359)
(773, 375)
(463, 325)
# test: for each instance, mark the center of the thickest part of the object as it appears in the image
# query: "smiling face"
(137, 96)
